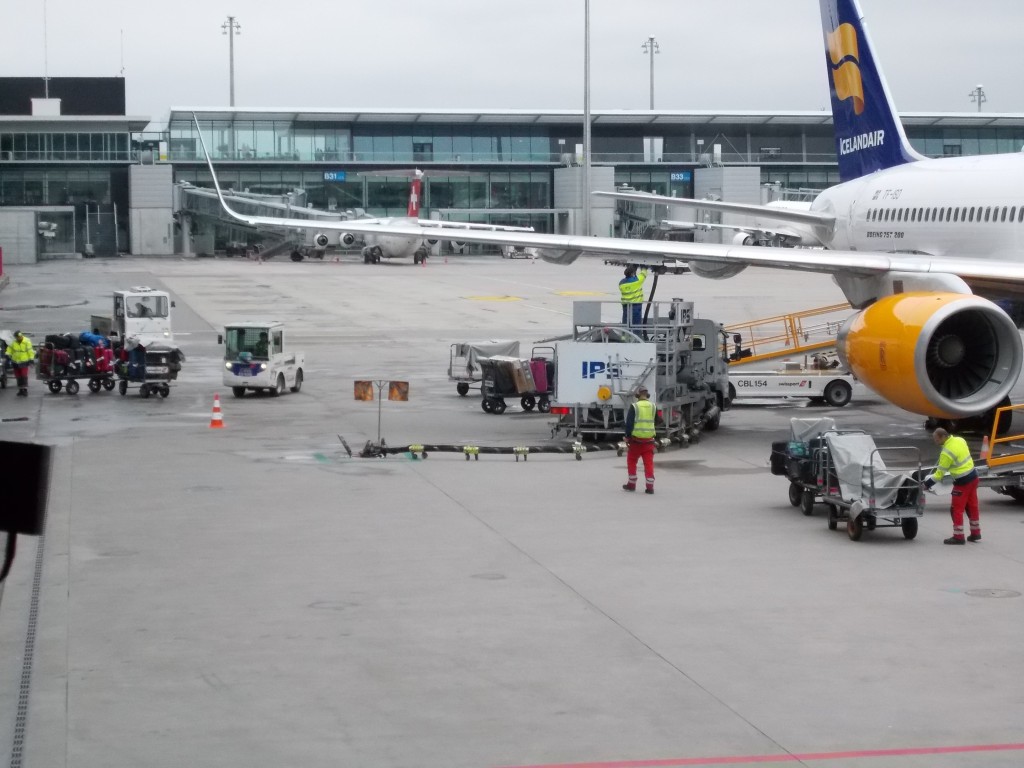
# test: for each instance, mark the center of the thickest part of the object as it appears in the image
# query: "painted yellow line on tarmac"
(494, 298)
(581, 293)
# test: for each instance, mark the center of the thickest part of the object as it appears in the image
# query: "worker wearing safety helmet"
(955, 460)
(631, 290)
(21, 354)
(640, 440)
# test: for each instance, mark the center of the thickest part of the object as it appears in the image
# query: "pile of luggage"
(73, 356)
(505, 376)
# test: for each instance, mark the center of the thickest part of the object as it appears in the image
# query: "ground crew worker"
(955, 460)
(640, 440)
(631, 289)
(21, 353)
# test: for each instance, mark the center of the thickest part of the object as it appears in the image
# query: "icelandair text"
(863, 141)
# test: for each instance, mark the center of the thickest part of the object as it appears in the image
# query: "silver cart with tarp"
(865, 486)
(464, 360)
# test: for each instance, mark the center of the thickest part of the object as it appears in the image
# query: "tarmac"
(252, 596)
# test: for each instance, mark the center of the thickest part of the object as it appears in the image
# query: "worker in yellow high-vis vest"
(22, 354)
(640, 440)
(955, 460)
(631, 293)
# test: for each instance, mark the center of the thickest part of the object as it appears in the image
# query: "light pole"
(978, 95)
(586, 119)
(651, 47)
(231, 27)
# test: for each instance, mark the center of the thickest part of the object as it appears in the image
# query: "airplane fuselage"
(395, 246)
(971, 206)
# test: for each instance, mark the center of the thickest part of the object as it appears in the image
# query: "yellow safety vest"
(955, 459)
(643, 422)
(20, 352)
(632, 289)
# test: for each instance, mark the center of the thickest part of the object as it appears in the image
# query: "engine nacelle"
(948, 355)
(743, 238)
(348, 239)
(432, 241)
(320, 240)
(714, 270)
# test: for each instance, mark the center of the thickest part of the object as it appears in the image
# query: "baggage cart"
(149, 369)
(530, 380)
(65, 368)
(845, 470)
(464, 361)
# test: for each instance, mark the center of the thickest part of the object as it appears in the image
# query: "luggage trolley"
(59, 367)
(464, 361)
(529, 380)
(845, 470)
(151, 369)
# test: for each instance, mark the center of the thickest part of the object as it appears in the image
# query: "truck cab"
(257, 357)
(145, 313)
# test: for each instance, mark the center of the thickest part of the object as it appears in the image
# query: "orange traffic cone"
(984, 447)
(216, 422)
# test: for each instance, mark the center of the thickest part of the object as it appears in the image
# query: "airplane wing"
(704, 257)
(795, 216)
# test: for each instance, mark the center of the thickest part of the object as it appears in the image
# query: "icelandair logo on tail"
(844, 53)
(862, 141)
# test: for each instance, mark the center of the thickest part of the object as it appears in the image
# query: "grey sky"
(727, 54)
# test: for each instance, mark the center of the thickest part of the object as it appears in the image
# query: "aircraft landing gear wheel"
(108, 384)
(486, 404)
(122, 387)
(838, 393)
(544, 405)
(278, 389)
(298, 381)
(462, 388)
(833, 517)
(498, 407)
(94, 385)
(855, 527)
(795, 494)
(528, 402)
(71, 387)
(909, 526)
(144, 391)
(238, 391)
(54, 386)
(296, 256)
(165, 390)
(807, 502)
(366, 258)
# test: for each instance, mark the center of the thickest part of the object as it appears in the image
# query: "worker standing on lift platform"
(631, 289)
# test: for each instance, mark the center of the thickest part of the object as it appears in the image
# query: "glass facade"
(54, 186)
(388, 196)
(64, 147)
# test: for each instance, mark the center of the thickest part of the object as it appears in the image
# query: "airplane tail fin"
(869, 135)
(415, 195)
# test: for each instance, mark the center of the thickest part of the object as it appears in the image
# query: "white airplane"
(380, 243)
(906, 239)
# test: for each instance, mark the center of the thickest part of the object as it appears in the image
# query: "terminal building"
(78, 176)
